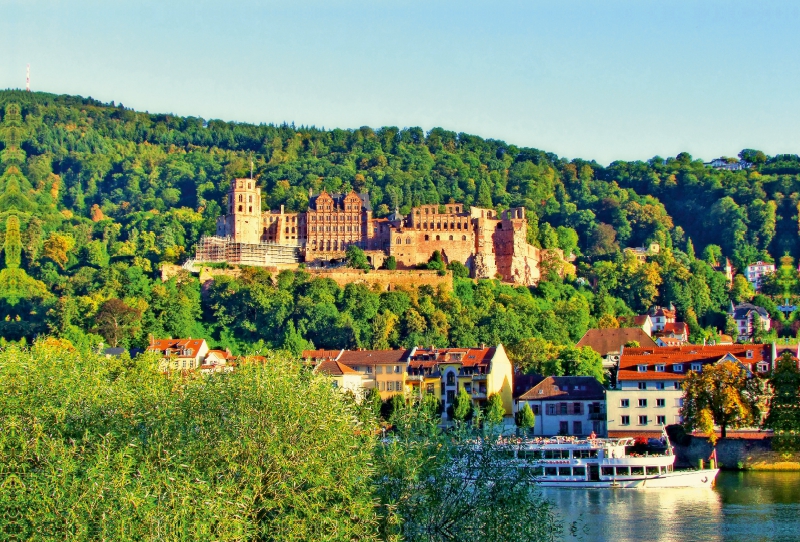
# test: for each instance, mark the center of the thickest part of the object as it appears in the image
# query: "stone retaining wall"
(733, 453)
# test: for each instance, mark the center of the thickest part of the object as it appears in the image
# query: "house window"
(562, 408)
(642, 368)
(659, 368)
(625, 420)
(678, 368)
(679, 402)
(661, 420)
(398, 368)
(429, 389)
(576, 408)
(749, 354)
(763, 367)
(642, 420)
(577, 428)
(642, 402)
(368, 370)
(551, 410)
(624, 403)
(696, 367)
(563, 428)
(677, 385)
(378, 370)
(642, 385)
(661, 402)
(660, 385)
(451, 379)
(535, 409)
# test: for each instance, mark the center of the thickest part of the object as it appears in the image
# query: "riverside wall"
(735, 454)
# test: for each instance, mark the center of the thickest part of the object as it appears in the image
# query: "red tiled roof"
(669, 356)
(666, 313)
(564, 387)
(320, 354)
(362, 357)
(675, 327)
(605, 341)
(175, 346)
(467, 357)
(220, 353)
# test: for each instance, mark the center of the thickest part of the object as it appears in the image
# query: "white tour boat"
(602, 463)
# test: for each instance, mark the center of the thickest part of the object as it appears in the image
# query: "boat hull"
(687, 478)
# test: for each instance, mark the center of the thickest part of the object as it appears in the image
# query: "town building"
(566, 405)
(749, 318)
(672, 334)
(728, 164)
(481, 372)
(384, 370)
(661, 317)
(649, 393)
(754, 273)
(641, 253)
(218, 361)
(441, 372)
(180, 354)
(344, 378)
(609, 343)
(489, 243)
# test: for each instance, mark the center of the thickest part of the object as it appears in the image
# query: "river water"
(746, 507)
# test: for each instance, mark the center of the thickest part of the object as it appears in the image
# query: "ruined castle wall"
(417, 246)
(386, 280)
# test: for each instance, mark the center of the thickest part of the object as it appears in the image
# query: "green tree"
(784, 414)
(525, 419)
(390, 263)
(494, 412)
(462, 406)
(356, 258)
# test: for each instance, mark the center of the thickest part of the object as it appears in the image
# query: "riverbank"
(735, 454)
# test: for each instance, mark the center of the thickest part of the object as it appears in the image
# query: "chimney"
(281, 209)
(310, 192)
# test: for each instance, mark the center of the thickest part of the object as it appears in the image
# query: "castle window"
(458, 225)
(445, 225)
(449, 209)
(463, 237)
(427, 237)
(452, 226)
(293, 230)
(287, 230)
(437, 237)
(399, 241)
(251, 209)
(408, 240)
(249, 186)
(240, 208)
(251, 199)
(241, 198)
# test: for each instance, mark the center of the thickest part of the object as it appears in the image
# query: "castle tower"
(243, 221)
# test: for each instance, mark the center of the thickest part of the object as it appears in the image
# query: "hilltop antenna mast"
(28, 79)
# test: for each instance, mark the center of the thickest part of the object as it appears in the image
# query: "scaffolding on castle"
(213, 249)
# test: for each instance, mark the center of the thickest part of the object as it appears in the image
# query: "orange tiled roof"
(176, 346)
(675, 327)
(669, 356)
(317, 355)
(334, 368)
(220, 353)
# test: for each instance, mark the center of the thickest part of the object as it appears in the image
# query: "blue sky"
(599, 80)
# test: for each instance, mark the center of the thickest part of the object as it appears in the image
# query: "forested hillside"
(94, 197)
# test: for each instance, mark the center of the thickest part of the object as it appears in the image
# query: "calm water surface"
(751, 507)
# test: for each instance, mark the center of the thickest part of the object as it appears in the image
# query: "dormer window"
(749, 354)
(642, 368)
(659, 368)
(678, 367)
(763, 367)
(697, 367)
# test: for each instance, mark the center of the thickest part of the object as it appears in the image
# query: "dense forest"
(95, 197)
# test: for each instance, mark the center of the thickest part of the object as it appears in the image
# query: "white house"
(756, 271)
(566, 405)
(749, 318)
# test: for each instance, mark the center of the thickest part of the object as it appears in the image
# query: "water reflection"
(751, 507)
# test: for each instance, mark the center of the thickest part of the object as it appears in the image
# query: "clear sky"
(600, 80)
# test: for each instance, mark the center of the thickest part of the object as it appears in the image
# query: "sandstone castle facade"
(489, 243)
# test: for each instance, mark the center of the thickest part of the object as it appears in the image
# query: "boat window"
(556, 454)
(537, 471)
(608, 471)
(579, 471)
(551, 471)
(530, 454)
(508, 454)
(651, 471)
(637, 471)
(622, 471)
(584, 454)
(564, 471)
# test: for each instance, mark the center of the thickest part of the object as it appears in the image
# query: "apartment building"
(566, 405)
(649, 392)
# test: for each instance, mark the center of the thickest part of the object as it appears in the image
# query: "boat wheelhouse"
(594, 462)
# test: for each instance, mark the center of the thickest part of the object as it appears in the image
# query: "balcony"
(479, 377)
(597, 416)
